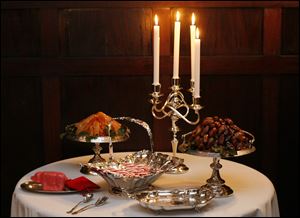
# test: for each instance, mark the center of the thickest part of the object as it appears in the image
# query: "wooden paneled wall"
(63, 60)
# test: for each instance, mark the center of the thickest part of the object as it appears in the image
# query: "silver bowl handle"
(141, 123)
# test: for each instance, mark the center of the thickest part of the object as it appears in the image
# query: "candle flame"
(156, 19)
(177, 16)
(193, 19)
(197, 33)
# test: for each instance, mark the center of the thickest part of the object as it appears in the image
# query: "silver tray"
(32, 186)
(70, 135)
(213, 154)
(175, 199)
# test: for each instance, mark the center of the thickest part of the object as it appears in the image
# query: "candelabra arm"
(184, 116)
(163, 108)
(141, 123)
(176, 108)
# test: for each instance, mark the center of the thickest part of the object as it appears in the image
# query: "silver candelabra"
(170, 108)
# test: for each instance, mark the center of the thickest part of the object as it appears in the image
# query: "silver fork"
(98, 203)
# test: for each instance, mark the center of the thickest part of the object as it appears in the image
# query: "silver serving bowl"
(157, 162)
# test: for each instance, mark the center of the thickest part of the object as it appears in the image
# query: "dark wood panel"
(232, 96)
(21, 133)
(233, 31)
(51, 124)
(20, 33)
(49, 32)
(270, 125)
(22, 121)
(127, 66)
(102, 32)
(115, 96)
(288, 151)
(100, 51)
(272, 31)
(290, 31)
(130, 4)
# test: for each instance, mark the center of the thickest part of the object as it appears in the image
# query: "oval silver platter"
(175, 199)
(38, 188)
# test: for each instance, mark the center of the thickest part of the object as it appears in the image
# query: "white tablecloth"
(254, 194)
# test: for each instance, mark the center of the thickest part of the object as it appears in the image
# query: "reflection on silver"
(175, 199)
(158, 162)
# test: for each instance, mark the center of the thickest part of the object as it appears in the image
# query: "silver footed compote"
(215, 182)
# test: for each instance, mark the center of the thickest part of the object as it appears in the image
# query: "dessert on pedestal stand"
(109, 139)
(215, 182)
(97, 140)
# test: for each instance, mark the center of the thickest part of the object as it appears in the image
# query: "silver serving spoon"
(99, 202)
(86, 198)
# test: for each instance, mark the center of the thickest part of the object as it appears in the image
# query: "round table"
(254, 194)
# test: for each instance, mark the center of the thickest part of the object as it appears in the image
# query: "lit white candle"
(192, 38)
(197, 64)
(156, 40)
(176, 47)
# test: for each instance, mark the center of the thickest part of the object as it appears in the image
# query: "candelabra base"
(180, 169)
